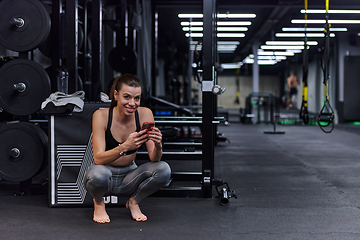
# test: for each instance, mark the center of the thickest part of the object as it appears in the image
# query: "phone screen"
(147, 125)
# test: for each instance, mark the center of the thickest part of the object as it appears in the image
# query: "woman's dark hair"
(127, 79)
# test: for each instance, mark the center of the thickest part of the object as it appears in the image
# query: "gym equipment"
(24, 24)
(122, 59)
(71, 155)
(326, 115)
(304, 114)
(23, 151)
(225, 193)
(24, 85)
(276, 119)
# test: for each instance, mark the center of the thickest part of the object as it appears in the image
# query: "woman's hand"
(155, 135)
(135, 140)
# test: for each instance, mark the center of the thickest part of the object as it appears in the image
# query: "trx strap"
(304, 114)
(326, 115)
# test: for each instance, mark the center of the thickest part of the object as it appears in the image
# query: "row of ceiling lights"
(193, 29)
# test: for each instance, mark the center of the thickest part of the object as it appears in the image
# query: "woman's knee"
(163, 170)
(97, 176)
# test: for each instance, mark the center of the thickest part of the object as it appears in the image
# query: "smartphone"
(147, 125)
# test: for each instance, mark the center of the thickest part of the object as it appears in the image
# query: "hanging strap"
(304, 114)
(326, 115)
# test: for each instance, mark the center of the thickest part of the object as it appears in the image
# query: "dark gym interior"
(249, 160)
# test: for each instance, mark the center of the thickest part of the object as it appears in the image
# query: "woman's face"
(128, 99)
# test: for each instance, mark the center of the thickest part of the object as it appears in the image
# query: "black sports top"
(109, 139)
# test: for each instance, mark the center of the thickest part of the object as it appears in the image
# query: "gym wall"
(227, 99)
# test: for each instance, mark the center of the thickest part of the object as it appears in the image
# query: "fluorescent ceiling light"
(193, 29)
(232, 29)
(191, 23)
(281, 47)
(275, 53)
(299, 43)
(329, 11)
(194, 15)
(294, 50)
(234, 15)
(323, 21)
(194, 34)
(231, 65)
(288, 29)
(239, 23)
(224, 23)
(260, 62)
(219, 29)
(228, 42)
(230, 35)
(268, 57)
(229, 15)
(218, 35)
(219, 43)
(221, 47)
(302, 35)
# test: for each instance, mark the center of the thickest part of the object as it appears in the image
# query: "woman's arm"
(154, 146)
(99, 123)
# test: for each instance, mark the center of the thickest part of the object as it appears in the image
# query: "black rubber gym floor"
(303, 184)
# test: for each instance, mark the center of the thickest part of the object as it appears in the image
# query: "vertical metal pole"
(208, 134)
(72, 43)
(255, 74)
(154, 33)
(96, 50)
(55, 38)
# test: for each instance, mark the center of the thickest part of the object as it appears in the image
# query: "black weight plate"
(24, 138)
(122, 59)
(37, 89)
(44, 141)
(36, 28)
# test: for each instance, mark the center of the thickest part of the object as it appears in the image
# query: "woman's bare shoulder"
(144, 110)
(101, 113)
(145, 114)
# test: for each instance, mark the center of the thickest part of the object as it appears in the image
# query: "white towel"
(61, 99)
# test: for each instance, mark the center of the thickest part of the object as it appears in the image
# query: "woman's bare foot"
(134, 208)
(100, 215)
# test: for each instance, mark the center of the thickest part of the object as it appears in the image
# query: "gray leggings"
(139, 182)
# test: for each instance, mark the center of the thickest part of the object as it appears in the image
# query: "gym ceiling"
(271, 17)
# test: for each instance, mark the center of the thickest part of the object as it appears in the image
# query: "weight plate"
(34, 24)
(36, 81)
(122, 59)
(21, 152)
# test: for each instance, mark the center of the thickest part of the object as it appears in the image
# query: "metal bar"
(208, 140)
(96, 38)
(187, 176)
(72, 43)
(55, 39)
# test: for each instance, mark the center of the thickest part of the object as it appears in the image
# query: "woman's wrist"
(158, 146)
(121, 150)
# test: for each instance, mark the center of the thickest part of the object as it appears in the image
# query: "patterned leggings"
(139, 182)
